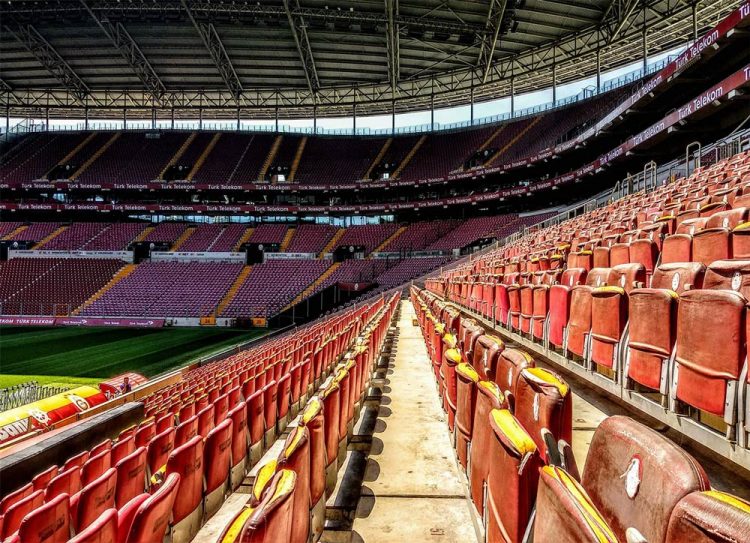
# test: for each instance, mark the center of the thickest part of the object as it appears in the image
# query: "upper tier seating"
(419, 235)
(268, 233)
(474, 229)
(336, 160)
(37, 154)
(369, 235)
(77, 235)
(236, 158)
(214, 237)
(311, 238)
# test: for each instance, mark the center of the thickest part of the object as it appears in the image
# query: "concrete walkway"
(412, 489)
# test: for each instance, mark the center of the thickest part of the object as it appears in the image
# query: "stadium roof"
(299, 58)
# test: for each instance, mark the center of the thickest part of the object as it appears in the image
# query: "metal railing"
(26, 393)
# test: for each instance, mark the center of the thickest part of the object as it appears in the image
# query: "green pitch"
(89, 355)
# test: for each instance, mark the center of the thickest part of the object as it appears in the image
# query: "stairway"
(389, 239)
(143, 235)
(408, 157)
(99, 152)
(244, 239)
(233, 290)
(378, 159)
(183, 238)
(51, 236)
(311, 288)
(270, 158)
(287, 239)
(512, 141)
(297, 158)
(178, 155)
(16, 231)
(67, 158)
(492, 137)
(333, 242)
(204, 156)
(121, 274)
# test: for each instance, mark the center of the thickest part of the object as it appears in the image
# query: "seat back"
(95, 466)
(217, 456)
(94, 499)
(635, 477)
(159, 450)
(49, 523)
(144, 434)
(187, 461)
(679, 277)
(487, 349)
(16, 496)
(313, 419)
(709, 517)
(186, 430)
(256, 421)
(102, 530)
(206, 419)
(511, 363)
(295, 456)
(67, 482)
(122, 448)
(41, 480)
(131, 476)
(152, 517)
(240, 437)
(18, 511)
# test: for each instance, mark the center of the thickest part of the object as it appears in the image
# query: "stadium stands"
(311, 238)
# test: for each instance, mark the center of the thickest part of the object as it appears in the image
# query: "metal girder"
(215, 48)
(49, 58)
(618, 13)
(392, 42)
(5, 86)
(130, 51)
(299, 32)
(489, 40)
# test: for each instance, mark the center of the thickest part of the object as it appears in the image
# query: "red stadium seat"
(159, 450)
(709, 517)
(147, 518)
(295, 456)
(256, 423)
(16, 496)
(77, 461)
(145, 433)
(330, 397)
(487, 349)
(66, 482)
(221, 409)
(217, 465)
(489, 397)
(49, 523)
(313, 419)
(270, 406)
(41, 480)
(187, 512)
(186, 430)
(509, 367)
(559, 303)
(240, 444)
(18, 511)
(93, 500)
(467, 380)
(102, 530)
(94, 467)
(122, 448)
(131, 476)
(206, 419)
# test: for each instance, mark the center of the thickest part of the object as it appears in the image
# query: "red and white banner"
(118, 322)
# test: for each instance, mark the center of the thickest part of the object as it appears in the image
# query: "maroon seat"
(313, 419)
(559, 303)
(635, 477)
(95, 466)
(17, 511)
(512, 477)
(102, 530)
(467, 379)
(49, 523)
(653, 323)
(186, 430)
(240, 444)
(509, 367)
(41, 480)
(217, 465)
(122, 448)
(131, 476)
(93, 500)
(66, 482)
(187, 512)
(487, 349)
(295, 456)
(489, 397)
(145, 433)
(147, 518)
(159, 450)
(709, 517)
(206, 419)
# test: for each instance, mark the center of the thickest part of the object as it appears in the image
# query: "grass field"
(89, 355)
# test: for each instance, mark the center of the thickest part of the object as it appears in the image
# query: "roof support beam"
(392, 43)
(489, 40)
(50, 59)
(621, 11)
(219, 55)
(299, 32)
(4, 85)
(132, 54)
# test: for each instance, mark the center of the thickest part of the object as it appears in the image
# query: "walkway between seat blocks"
(412, 489)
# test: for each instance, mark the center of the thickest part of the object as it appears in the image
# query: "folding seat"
(283, 397)
(145, 433)
(16, 496)
(609, 313)
(93, 499)
(313, 419)
(75, 461)
(330, 398)
(713, 242)
(131, 476)
(49, 523)
(709, 517)
(467, 379)
(646, 253)
(187, 512)
(579, 322)
(489, 397)
(487, 301)
(635, 477)
(159, 450)
(147, 518)
(270, 405)
(451, 358)
(17, 511)
(206, 419)
(105, 445)
(581, 259)
(102, 530)
(342, 379)
(486, 352)
(502, 299)
(710, 354)
(565, 513)
(95, 466)
(512, 478)
(269, 520)
(218, 463)
(66, 482)
(679, 246)
(296, 390)
(468, 334)
(543, 401)
(235, 396)
(221, 408)
(509, 366)
(163, 421)
(240, 444)
(41, 480)
(559, 303)
(295, 456)
(653, 323)
(619, 253)
(256, 423)
(186, 411)
(186, 430)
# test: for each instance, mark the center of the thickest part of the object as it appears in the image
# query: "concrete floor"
(412, 490)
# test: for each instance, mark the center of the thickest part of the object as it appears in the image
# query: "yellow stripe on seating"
(541, 375)
(494, 389)
(519, 438)
(235, 529)
(311, 410)
(265, 474)
(453, 355)
(467, 371)
(609, 290)
(729, 499)
(298, 432)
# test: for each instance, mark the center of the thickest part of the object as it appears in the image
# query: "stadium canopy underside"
(226, 59)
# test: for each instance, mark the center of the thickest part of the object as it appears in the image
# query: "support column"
(645, 43)
(598, 69)
(238, 119)
(200, 118)
(554, 75)
(124, 118)
(172, 116)
(315, 118)
(695, 21)
(471, 100)
(393, 116)
(512, 95)
(86, 117)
